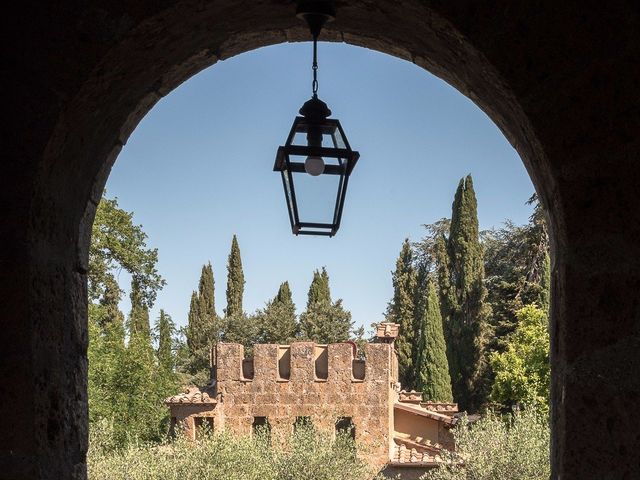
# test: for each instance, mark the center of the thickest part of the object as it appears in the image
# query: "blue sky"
(198, 169)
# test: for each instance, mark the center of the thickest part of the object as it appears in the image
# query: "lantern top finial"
(315, 110)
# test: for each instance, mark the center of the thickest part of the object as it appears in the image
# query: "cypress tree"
(206, 298)
(238, 327)
(324, 321)
(463, 293)
(319, 292)
(284, 295)
(165, 328)
(401, 310)
(139, 316)
(545, 290)
(110, 318)
(235, 281)
(202, 329)
(198, 344)
(432, 367)
(195, 338)
(278, 319)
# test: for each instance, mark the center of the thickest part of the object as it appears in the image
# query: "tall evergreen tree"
(278, 319)
(166, 380)
(202, 327)
(319, 292)
(194, 333)
(196, 362)
(324, 321)
(206, 295)
(401, 310)
(432, 367)
(545, 292)
(235, 281)
(108, 315)
(462, 292)
(238, 326)
(165, 329)
(139, 316)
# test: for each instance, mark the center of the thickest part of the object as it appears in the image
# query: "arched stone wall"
(556, 78)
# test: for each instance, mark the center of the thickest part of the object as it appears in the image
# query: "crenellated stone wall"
(321, 386)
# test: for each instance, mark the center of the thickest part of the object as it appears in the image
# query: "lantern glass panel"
(316, 196)
(337, 137)
(329, 130)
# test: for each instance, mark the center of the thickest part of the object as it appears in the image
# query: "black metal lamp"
(316, 160)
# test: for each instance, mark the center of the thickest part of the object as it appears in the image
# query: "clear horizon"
(198, 169)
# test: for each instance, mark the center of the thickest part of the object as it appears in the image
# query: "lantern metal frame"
(346, 160)
(315, 124)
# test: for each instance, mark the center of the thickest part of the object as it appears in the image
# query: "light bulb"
(314, 165)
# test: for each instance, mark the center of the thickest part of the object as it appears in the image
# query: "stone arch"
(90, 74)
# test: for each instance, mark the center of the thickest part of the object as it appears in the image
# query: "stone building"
(328, 386)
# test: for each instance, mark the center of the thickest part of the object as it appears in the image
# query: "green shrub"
(514, 447)
(307, 455)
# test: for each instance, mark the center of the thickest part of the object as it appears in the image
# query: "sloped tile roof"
(193, 395)
(414, 454)
(425, 412)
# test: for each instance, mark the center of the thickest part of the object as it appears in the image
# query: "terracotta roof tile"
(193, 395)
(425, 412)
(408, 453)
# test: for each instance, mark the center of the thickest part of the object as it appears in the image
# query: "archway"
(518, 63)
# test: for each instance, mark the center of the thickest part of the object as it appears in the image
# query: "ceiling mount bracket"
(316, 13)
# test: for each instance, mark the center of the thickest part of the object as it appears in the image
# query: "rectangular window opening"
(173, 427)
(203, 426)
(345, 426)
(247, 369)
(359, 368)
(302, 422)
(322, 362)
(284, 362)
(261, 426)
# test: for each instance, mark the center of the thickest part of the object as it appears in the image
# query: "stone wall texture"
(558, 78)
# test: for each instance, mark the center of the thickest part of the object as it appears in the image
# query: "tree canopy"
(324, 321)
(517, 271)
(278, 319)
(401, 310)
(522, 371)
(118, 244)
(127, 377)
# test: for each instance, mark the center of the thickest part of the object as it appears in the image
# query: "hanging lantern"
(316, 160)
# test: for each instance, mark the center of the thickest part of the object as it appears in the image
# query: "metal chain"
(314, 84)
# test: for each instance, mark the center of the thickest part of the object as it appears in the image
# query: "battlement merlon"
(303, 362)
